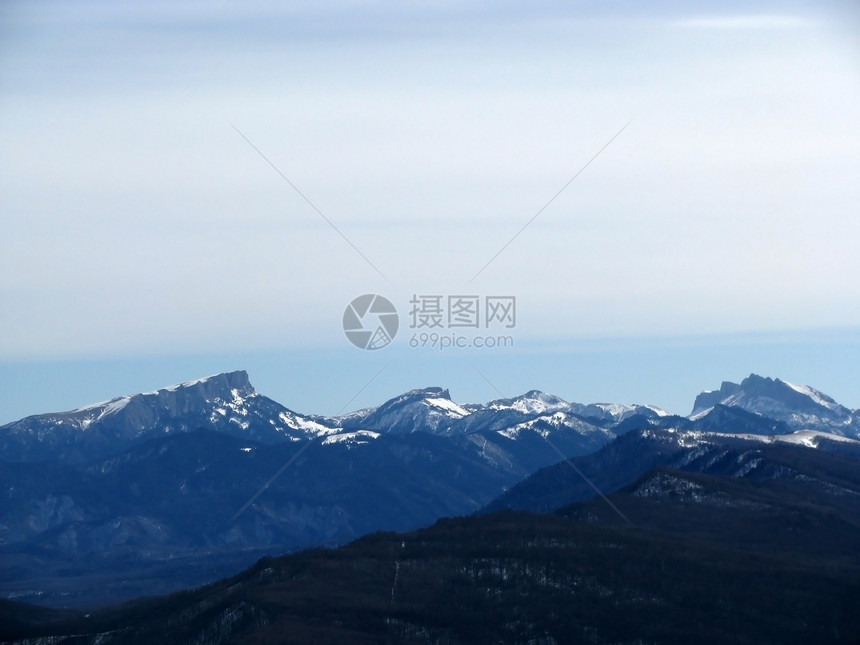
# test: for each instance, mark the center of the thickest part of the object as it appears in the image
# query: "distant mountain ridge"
(229, 404)
(226, 403)
(750, 456)
(175, 487)
(156, 486)
(799, 406)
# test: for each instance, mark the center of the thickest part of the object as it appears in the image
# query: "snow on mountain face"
(617, 412)
(448, 407)
(522, 412)
(709, 398)
(226, 403)
(351, 439)
(816, 396)
(229, 404)
(808, 438)
(547, 425)
(532, 402)
(660, 412)
(428, 410)
(230, 390)
(303, 425)
(130, 411)
(799, 406)
(705, 440)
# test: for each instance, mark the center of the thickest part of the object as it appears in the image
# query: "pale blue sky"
(144, 242)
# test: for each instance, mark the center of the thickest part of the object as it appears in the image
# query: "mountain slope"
(153, 509)
(426, 410)
(226, 403)
(630, 455)
(707, 560)
(799, 406)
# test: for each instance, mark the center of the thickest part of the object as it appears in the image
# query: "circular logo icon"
(370, 321)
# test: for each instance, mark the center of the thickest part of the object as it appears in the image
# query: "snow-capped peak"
(428, 410)
(532, 402)
(800, 406)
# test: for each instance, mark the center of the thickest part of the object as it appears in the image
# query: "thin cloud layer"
(137, 221)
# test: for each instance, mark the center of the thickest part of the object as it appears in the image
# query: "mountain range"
(154, 492)
(672, 557)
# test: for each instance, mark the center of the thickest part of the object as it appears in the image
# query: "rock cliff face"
(800, 407)
(711, 398)
(226, 403)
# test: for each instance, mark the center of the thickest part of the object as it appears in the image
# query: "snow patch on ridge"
(105, 408)
(177, 386)
(358, 436)
(660, 412)
(448, 406)
(296, 422)
(813, 394)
